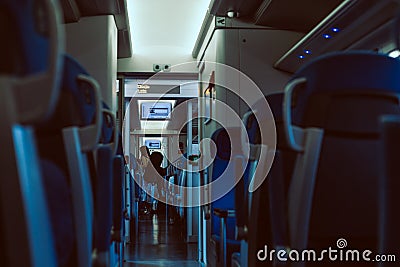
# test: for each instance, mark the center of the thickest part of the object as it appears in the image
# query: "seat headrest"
(224, 138)
(107, 128)
(275, 101)
(31, 55)
(25, 50)
(109, 135)
(82, 97)
(350, 71)
(79, 105)
(76, 105)
(252, 128)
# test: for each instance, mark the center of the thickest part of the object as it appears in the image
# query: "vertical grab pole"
(189, 173)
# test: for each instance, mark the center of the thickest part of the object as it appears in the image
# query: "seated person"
(153, 170)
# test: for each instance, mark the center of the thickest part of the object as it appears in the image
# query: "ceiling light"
(231, 14)
(394, 53)
(326, 36)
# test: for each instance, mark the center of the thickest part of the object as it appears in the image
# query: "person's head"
(144, 151)
(156, 158)
(144, 155)
(181, 148)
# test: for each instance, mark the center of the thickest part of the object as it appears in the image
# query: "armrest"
(222, 213)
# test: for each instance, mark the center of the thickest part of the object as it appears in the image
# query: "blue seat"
(119, 200)
(241, 190)
(30, 72)
(389, 234)
(67, 140)
(58, 197)
(266, 220)
(278, 182)
(102, 184)
(223, 209)
(242, 194)
(331, 118)
(118, 193)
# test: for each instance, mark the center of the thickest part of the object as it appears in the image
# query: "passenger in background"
(144, 156)
(150, 178)
(173, 174)
(156, 159)
(179, 164)
(133, 166)
(143, 161)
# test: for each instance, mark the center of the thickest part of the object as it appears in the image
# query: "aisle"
(160, 244)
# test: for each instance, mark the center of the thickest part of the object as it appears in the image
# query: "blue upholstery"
(107, 129)
(30, 56)
(242, 195)
(345, 95)
(118, 171)
(357, 71)
(268, 223)
(76, 107)
(103, 186)
(220, 164)
(223, 145)
(241, 191)
(82, 106)
(58, 197)
(227, 202)
(25, 50)
(103, 190)
(118, 192)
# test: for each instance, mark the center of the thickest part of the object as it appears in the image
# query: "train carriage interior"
(221, 133)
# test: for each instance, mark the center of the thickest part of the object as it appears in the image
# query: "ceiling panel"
(293, 14)
(75, 9)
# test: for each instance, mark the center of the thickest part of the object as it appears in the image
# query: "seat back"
(224, 169)
(31, 56)
(118, 192)
(338, 100)
(241, 191)
(268, 204)
(66, 140)
(102, 184)
(29, 76)
(389, 233)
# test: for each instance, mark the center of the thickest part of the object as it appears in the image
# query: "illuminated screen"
(153, 144)
(156, 110)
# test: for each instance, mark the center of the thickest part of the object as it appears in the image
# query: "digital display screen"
(156, 110)
(153, 144)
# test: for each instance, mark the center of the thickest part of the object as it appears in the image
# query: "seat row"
(60, 166)
(333, 179)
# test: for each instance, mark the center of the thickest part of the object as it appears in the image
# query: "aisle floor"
(159, 244)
